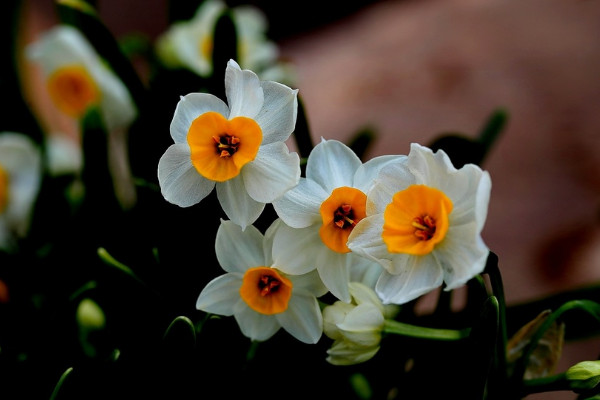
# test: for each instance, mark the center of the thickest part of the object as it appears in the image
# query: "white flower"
(321, 211)
(77, 78)
(356, 327)
(423, 224)
(189, 44)
(239, 148)
(20, 180)
(255, 291)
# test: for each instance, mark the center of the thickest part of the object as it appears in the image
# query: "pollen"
(4, 189)
(416, 220)
(73, 90)
(265, 290)
(220, 147)
(340, 213)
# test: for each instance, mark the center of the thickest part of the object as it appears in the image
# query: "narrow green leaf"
(302, 132)
(63, 378)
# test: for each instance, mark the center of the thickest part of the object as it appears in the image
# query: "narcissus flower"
(77, 78)
(256, 292)
(423, 224)
(356, 326)
(322, 211)
(240, 148)
(20, 179)
(189, 44)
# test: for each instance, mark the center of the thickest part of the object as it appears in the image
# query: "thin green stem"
(421, 332)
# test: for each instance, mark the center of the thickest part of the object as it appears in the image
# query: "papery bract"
(423, 224)
(239, 147)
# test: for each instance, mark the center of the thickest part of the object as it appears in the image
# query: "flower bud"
(584, 375)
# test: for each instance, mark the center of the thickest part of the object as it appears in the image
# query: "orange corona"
(340, 213)
(265, 290)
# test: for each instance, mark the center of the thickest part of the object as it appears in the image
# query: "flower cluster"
(179, 201)
(414, 222)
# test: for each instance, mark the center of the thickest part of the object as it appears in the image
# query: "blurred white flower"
(77, 78)
(189, 44)
(20, 180)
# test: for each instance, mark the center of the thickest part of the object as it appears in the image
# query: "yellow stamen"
(72, 90)
(265, 290)
(206, 47)
(340, 213)
(4, 192)
(220, 147)
(416, 220)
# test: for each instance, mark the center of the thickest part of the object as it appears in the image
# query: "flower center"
(265, 290)
(206, 47)
(340, 213)
(4, 192)
(219, 147)
(72, 90)
(226, 145)
(416, 220)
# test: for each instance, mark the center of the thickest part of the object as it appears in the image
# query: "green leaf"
(180, 334)
(63, 378)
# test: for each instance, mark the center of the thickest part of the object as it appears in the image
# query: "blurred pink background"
(412, 70)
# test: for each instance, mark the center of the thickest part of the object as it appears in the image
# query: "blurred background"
(410, 71)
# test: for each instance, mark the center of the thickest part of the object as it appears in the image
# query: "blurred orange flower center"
(4, 194)
(72, 90)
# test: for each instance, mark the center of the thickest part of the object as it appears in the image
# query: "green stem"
(493, 272)
(421, 332)
(60, 382)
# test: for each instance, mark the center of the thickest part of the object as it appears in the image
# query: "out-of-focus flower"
(63, 154)
(77, 78)
(356, 327)
(321, 211)
(584, 375)
(423, 224)
(189, 44)
(255, 291)
(20, 180)
(239, 148)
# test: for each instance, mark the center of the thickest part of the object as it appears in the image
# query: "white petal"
(334, 272)
(290, 246)
(334, 315)
(277, 117)
(393, 177)
(190, 107)
(116, 106)
(365, 240)
(237, 204)
(430, 168)
(179, 181)
(363, 325)
(21, 159)
(362, 294)
(303, 318)
(300, 206)
(367, 173)
(60, 46)
(364, 270)
(239, 250)
(418, 276)
(332, 164)
(273, 172)
(462, 255)
(220, 295)
(244, 93)
(310, 282)
(254, 325)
